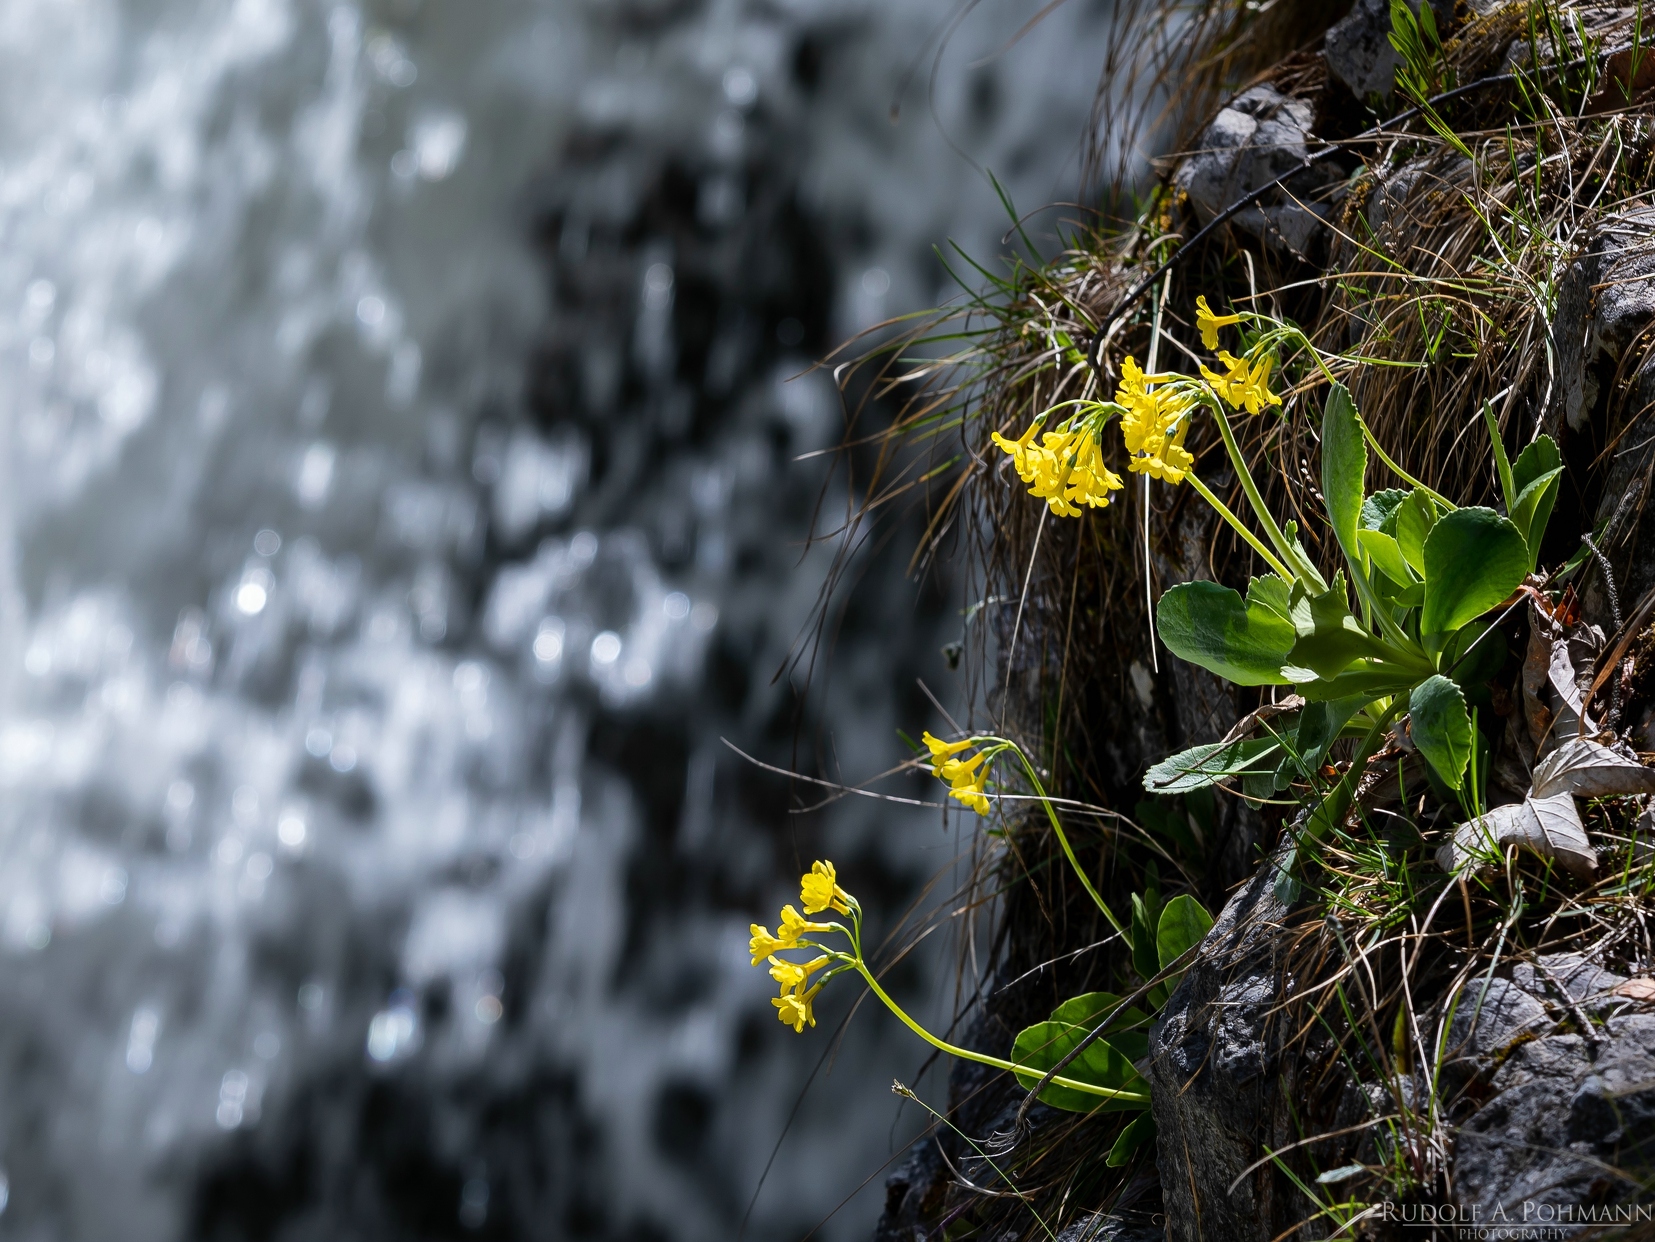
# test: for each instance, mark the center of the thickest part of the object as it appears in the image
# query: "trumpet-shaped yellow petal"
(794, 1008)
(763, 944)
(819, 890)
(1243, 387)
(1208, 323)
(791, 974)
(972, 795)
(794, 925)
(941, 750)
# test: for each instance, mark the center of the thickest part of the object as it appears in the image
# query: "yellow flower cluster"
(1065, 469)
(1154, 425)
(967, 776)
(1244, 388)
(818, 890)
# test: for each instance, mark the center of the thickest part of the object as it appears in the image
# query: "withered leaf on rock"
(1642, 989)
(1549, 827)
(1583, 767)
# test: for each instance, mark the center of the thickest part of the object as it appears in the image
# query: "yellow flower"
(1242, 387)
(1067, 471)
(791, 974)
(967, 781)
(819, 890)
(941, 750)
(1019, 450)
(1154, 427)
(972, 795)
(1208, 323)
(794, 925)
(794, 1008)
(763, 944)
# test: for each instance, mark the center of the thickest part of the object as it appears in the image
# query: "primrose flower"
(794, 925)
(819, 890)
(967, 776)
(941, 750)
(794, 1008)
(792, 974)
(1157, 443)
(1208, 323)
(1071, 473)
(1066, 468)
(763, 944)
(1242, 387)
(1019, 450)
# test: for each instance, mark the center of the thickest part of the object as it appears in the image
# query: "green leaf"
(1184, 922)
(1441, 727)
(1415, 517)
(1382, 549)
(1140, 1130)
(1330, 640)
(1502, 463)
(1320, 725)
(1474, 559)
(1379, 510)
(1344, 468)
(1144, 918)
(1470, 659)
(1208, 764)
(1533, 511)
(1271, 593)
(1106, 1062)
(1538, 458)
(1167, 819)
(1370, 678)
(1211, 626)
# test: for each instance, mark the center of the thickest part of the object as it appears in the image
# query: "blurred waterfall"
(400, 503)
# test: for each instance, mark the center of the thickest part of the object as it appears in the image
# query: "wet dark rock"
(1259, 136)
(1112, 1227)
(1213, 1076)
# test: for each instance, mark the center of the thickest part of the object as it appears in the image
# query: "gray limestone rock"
(1571, 1122)
(1605, 303)
(1358, 46)
(1212, 1076)
(1259, 136)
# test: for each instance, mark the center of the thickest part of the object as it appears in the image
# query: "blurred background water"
(399, 504)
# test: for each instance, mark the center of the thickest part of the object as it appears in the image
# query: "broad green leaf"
(1382, 549)
(1144, 920)
(1441, 727)
(1107, 1062)
(1379, 510)
(1533, 511)
(1208, 764)
(1502, 463)
(1538, 458)
(1344, 468)
(1320, 725)
(1330, 640)
(1474, 559)
(1211, 626)
(1184, 923)
(1272, 593)
(1470, 658)
(1127, 1029)
(1140, 1130)
(1169, 820)
(1415, 517)
(1368, 678)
